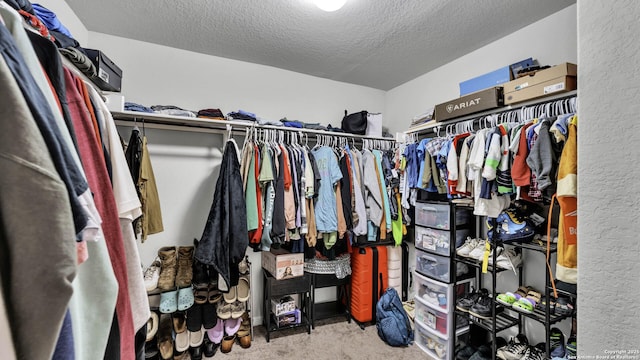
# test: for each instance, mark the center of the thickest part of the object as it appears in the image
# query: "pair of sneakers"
(469, 246)
(476, 303)
(515, 349)
(560, 350)
(475, 248)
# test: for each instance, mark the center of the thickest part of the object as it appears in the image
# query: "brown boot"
(185, 264)
(167, 279)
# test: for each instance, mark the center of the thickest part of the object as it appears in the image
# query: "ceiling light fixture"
(330, 5)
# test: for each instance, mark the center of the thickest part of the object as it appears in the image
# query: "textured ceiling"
(376, 43)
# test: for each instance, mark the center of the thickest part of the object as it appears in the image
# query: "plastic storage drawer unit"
(433, 319)
(434, 266)
(433, 215)
(430, 343)
(433, 293)
(436, 215)
(438, 241)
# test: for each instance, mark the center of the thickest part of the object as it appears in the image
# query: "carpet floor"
(332, 339)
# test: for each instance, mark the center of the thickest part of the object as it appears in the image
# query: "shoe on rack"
(237, 309)
(466, 248)
(243, 290)
(510, 260)
(227, 343)
(515, 349)
(244, 333)
(478, 252)
(528, 303)
(151, 275)
(165, 337)
(243, 266)
(196, 352)
(152, 326)
(482, 308)
(231, 326)
(196, 338)
(184, 275)
(563, 306)
(533, 353)
(572, 348)
(224, 310)
(209, 347)
(556, 343)
(465, 303)
(510, 227)
(168, 258)
(508, 298)
(151, 349)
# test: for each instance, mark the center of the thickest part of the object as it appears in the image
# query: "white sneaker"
(478, 252)
(151, 276)
(466, 248)
(509, 259)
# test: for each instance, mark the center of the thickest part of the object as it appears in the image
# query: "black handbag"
(355, 123)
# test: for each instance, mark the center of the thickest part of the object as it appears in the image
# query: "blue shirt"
(330, 174)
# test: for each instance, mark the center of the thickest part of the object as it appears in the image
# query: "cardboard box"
(284, 305)
(559, 78)
(114, 101)
(288, 319)
(282, 264)
(485, 81)
(493, 78)
(109, 74)
(472, 103)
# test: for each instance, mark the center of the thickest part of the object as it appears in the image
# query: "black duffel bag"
(355, 123)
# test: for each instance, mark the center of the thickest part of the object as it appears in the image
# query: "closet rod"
(183, 123)
(169, 127)
(424, 128)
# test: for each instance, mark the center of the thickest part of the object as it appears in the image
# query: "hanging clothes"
(567, 195)
(129, 206)
(95, 168)
(46, 252)
(224, 239)
(329, 173)
(266, 179)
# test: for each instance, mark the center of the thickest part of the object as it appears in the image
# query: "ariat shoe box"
(556, 79)
(478, 101)
(282, 264)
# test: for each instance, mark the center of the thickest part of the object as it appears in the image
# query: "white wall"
(186, 164)
(155, 74)
(68, 19)
(551, 41)
(608, 200)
